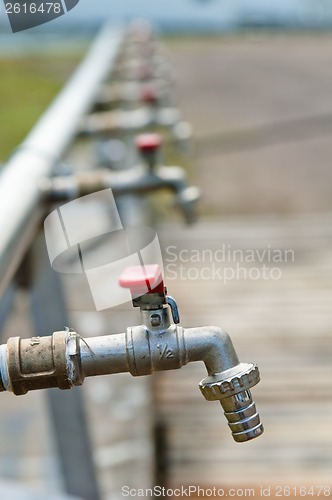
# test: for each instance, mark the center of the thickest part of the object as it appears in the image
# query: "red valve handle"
(148, 142)
(142, 279)
(149, 95)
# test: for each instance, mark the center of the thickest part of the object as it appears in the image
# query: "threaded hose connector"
(231, 388)
(243, 419)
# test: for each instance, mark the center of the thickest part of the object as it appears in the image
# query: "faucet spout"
(228, 381)
(213, 346)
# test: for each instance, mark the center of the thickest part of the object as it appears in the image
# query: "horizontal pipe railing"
(21, 207)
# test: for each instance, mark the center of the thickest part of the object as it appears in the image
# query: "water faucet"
(143, 117)
(143, 104)
(154, 111)
(143, 66)
(139, 179)
(130, 93)
(142, 59)
(64, 359)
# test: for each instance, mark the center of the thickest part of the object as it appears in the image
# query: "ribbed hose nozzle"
(231, 388)
(243, 418)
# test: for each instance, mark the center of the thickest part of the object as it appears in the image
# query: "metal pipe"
(104, 355)
(131, 92)
(136, 180)
(107, 122)
(20, 197)
(65, 359)
(211, 345)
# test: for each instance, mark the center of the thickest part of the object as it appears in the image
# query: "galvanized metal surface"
(136, 181)
(64, 359)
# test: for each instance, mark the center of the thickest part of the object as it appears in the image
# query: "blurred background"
(254, 80)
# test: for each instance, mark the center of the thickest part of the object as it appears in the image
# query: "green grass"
(27, 86)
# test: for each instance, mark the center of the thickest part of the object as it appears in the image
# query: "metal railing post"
(72, 437)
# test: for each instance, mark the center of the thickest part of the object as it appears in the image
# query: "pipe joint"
(41, 362)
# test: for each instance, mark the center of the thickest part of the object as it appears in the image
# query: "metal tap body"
(136, 180)
(64, 359)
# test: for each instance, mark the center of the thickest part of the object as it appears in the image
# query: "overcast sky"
(224, 13)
